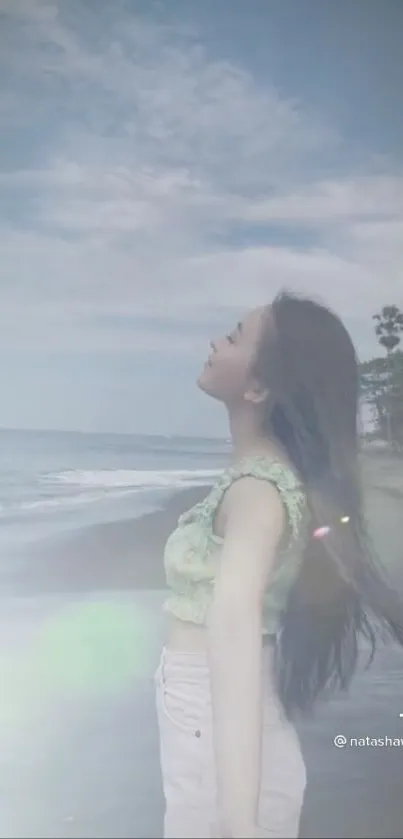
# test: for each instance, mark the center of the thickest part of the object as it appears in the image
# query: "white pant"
(187, 758)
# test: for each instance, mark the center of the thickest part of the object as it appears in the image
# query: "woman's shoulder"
(278, 473)
(266, 467)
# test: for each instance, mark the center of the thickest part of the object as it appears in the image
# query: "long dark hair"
(308, 361)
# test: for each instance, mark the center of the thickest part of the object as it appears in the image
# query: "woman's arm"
(254, 526)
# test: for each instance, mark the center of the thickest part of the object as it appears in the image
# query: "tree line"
(381, 379)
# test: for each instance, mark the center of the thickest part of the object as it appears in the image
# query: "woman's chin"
(202, 380)
(206, 384)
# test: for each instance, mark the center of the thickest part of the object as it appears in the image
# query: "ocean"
(53, 482)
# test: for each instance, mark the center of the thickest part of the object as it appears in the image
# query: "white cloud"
(346, 199)
(161, 151)
(171, 102)
(77, 285)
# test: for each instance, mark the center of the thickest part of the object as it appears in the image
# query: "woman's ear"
(257, 393)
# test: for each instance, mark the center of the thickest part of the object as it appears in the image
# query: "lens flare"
(97, 646)
(321, 532)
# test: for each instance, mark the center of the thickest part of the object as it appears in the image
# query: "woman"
(271, 577)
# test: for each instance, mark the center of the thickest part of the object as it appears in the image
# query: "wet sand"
(82, 761)
(113, 556)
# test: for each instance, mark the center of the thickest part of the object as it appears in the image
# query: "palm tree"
(389, 326)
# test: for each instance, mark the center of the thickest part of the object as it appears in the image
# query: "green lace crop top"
(192, 550)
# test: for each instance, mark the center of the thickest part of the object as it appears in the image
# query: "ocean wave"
(132, 479)
(71, 490)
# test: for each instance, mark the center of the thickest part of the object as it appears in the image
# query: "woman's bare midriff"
(186, 637)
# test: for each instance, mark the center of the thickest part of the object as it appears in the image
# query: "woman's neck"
(248, 439)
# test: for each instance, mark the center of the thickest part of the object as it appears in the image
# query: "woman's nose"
(213, 346)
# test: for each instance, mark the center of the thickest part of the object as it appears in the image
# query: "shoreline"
(104, 557)
(128, 554)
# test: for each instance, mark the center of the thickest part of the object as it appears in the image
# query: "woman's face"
(228, 373)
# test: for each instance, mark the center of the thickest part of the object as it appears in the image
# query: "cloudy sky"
(165, 166)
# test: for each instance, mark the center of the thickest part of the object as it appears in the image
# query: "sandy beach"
(80, 758)
(111, 556)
